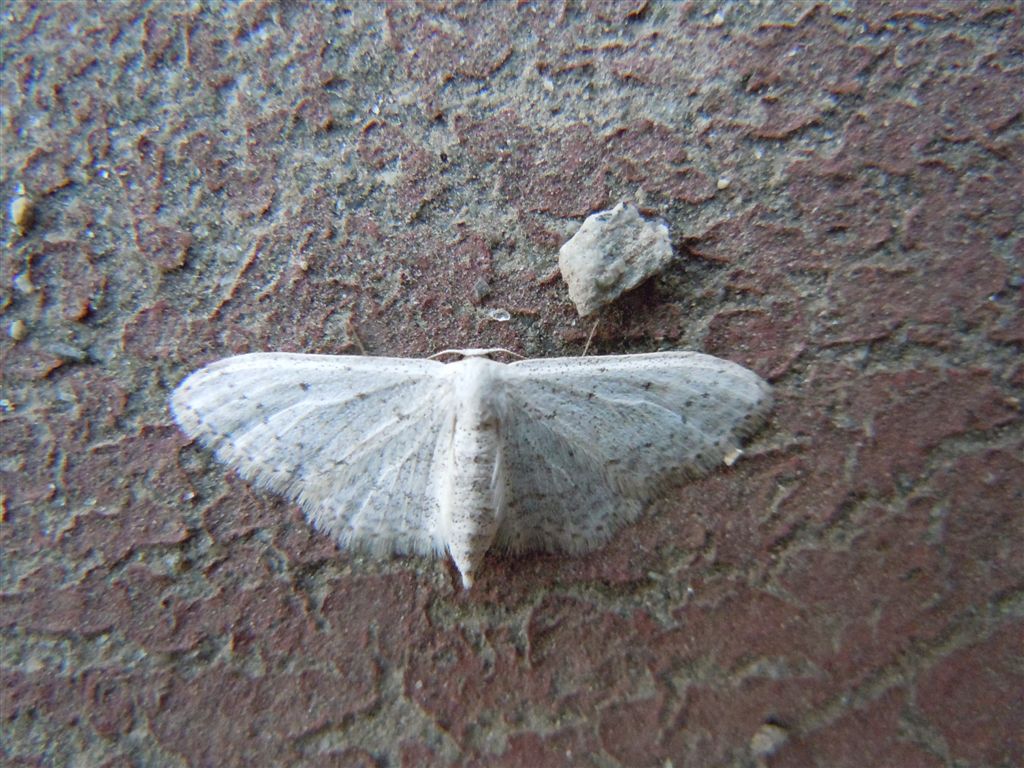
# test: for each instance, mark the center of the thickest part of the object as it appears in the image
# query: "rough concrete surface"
(843, 185)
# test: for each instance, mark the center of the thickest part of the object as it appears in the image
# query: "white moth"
(419, 456)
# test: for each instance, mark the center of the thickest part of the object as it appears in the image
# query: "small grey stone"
(613, 252)
(69, 352)
(499, 315)
(767, 740)
(481, 290)
(22, 211)
(18, 330)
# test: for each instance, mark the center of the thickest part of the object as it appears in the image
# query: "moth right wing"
(589, 442)
(354, 440)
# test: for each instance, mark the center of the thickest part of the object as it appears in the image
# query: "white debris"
(613, 252)
(18, 330)
(22, 212)
(23, 282)
(767, 741)
(732, 456)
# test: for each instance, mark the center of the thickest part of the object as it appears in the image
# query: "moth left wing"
(353, 440)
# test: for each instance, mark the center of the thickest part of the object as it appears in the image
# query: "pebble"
(22, 212)
(18, 330)
(613, 252)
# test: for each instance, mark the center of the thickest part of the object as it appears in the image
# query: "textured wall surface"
(843, 186)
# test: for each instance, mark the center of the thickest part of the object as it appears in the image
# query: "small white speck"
(23, 282)
(767, 740)
(18, 330)
(22, 212)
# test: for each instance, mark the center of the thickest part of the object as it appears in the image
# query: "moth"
(419, 456)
